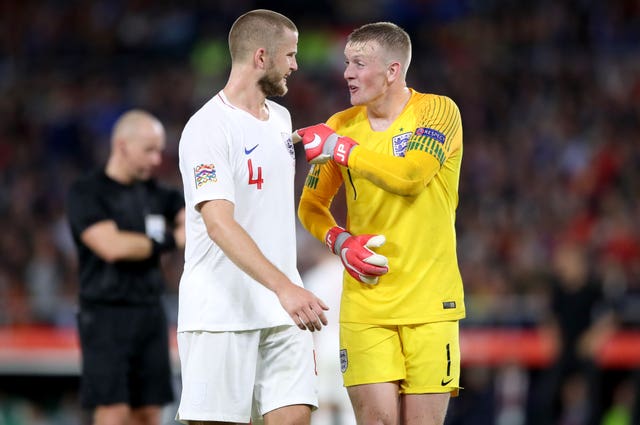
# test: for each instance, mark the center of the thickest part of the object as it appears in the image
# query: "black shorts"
(125, 356)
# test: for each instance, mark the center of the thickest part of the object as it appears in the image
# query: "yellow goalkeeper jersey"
(401, 183)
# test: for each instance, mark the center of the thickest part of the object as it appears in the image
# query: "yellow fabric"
(379, 353)
(410, 199)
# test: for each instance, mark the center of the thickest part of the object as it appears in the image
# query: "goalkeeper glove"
(360, 262)
(321, 144)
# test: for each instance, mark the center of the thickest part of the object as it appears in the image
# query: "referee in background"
(122, 221)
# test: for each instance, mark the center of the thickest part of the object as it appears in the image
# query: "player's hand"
(321, 144)
(306, 310)
(361, 263)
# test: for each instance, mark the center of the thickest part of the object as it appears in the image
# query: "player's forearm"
(238, 245)
(242, 250)
(111, 244)
(405, 176)
(315, 215)
(132, 246)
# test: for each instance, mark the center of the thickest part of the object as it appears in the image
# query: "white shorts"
(235, 376)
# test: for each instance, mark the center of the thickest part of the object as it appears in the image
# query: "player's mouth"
(352, 89)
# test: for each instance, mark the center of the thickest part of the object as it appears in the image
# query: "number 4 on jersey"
(258, 180)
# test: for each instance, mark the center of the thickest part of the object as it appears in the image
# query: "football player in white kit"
(243, 312)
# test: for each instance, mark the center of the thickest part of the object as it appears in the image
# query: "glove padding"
(321, 144)
(359, 261)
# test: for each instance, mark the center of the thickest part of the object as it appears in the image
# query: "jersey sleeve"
(437, 136)
(84, 208)
(204, 163)
(321, 186)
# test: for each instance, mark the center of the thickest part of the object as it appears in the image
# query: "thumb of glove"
(370, 280)
(296, 136)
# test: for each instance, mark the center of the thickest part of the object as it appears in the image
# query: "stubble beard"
(272, 84)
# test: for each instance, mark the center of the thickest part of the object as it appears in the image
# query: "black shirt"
(96, 198)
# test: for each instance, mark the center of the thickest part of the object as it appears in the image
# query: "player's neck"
(117, 173)
(246, 95)
(384, 112)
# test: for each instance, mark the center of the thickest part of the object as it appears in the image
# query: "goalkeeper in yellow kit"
(398, 153)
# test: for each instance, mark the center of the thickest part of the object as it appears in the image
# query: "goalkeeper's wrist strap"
(342, 149)
(335, 237)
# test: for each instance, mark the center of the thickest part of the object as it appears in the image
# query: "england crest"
(400, 143)
(289, 144)
(344, 361)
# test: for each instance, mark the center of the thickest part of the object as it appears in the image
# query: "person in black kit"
(580, 315)
(122, 221)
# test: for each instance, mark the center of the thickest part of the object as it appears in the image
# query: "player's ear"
(260, 58)
(119, 144)
(394, 71)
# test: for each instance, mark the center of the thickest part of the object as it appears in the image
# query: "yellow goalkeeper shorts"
(423, 358)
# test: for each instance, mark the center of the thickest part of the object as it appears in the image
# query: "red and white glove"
(321, 144)
(360, 262)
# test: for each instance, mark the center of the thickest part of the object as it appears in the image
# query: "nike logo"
(445, 383)
(248, 151)
(314, 143)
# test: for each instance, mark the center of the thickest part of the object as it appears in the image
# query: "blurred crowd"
(549, 92)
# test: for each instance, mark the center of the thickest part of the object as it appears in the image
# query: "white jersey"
(226, 153)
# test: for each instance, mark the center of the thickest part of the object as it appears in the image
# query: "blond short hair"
(394, 40)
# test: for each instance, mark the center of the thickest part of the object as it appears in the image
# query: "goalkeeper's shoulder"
(437, 102)
(346, 118)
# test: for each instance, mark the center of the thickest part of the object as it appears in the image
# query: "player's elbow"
(409, 181)
(410, 187)
(304, 206)
(109, 255)
(215, 230)
(405, 187)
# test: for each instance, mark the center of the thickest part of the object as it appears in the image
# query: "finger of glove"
(370, 280)
(356, 252)
(322, 129)
(377, 260)
(303, 130)
(355, 261)
(371, 269)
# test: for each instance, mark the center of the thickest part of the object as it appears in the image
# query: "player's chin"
(356, 100)
(284, 88)
(144, 175)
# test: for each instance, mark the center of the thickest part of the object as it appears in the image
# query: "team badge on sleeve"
(430, 133)
(203, 174)
(430, 141)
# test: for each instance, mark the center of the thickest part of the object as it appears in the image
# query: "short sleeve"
(84, 208)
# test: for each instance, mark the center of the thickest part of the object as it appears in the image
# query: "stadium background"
(550, 98)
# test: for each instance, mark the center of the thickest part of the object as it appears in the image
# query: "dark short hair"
(255, 29)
